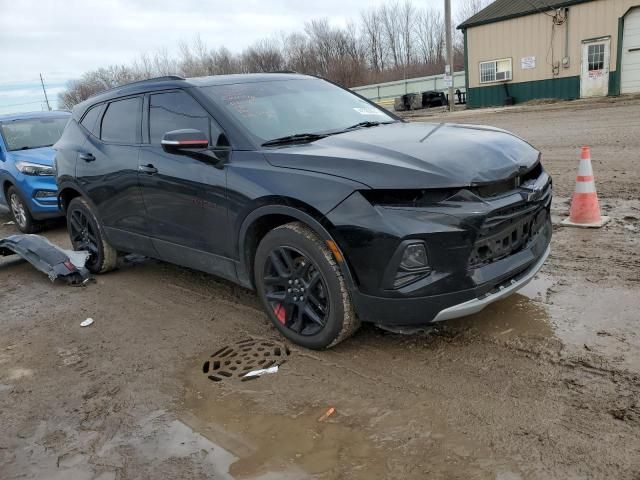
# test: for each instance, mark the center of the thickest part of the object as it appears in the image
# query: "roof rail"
(155, 79)
(147, 80)
(283, 71)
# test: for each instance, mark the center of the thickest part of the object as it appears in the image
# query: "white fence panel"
(390, 90)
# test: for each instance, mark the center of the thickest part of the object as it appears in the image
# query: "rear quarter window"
(90, 120)
(121, 121)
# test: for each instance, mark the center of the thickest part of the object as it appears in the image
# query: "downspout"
(466, 66)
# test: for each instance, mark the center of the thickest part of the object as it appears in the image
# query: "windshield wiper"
(298, 137)
(365, 124)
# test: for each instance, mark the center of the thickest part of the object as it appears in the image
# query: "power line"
(20, 104)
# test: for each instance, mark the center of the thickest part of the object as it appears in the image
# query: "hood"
(42, 155)
(413, 155)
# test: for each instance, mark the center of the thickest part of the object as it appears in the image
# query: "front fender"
(244, 274)
(5, 177)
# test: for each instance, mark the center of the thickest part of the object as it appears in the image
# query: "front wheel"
(20, 211)
(87, 234)
(302, 288)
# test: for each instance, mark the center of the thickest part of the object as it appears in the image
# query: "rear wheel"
(87, 234)
(21, 214)
(302, 288)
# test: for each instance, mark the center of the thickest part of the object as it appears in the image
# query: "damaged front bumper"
(501, 291)
(55, 262)
(480, 248)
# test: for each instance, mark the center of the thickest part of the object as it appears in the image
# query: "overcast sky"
(64, 38)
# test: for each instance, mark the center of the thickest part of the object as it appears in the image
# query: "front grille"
(507, 234)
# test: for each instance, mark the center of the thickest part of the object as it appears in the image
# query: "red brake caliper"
(280, 313)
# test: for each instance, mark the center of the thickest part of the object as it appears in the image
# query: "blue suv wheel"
(20, 211)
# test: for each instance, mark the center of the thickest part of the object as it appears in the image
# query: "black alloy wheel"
(296, 291)
(85, 233)
(83, 236)
(302, 287)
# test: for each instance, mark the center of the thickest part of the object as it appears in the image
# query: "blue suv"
(27, 175)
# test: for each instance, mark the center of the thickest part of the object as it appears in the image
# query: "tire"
(21, 213)
(304, 296)
(86, 233)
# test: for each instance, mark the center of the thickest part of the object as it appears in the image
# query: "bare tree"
(430, 36)
(407, 20)
(373, 40)
(398, 39)
(263, 56)
(468, 8)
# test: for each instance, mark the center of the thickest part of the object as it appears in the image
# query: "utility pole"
(448, 69)
(45, 93)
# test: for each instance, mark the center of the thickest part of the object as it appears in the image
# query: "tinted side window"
(90, 120)
(175, 111)
(121, 121)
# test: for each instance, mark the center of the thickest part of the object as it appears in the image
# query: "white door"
(631, 53)
(594, 80)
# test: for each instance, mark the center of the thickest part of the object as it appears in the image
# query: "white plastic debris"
(87, 322)
(78, 258)
(10, 222)
(262, 371)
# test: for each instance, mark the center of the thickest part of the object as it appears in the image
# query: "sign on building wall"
(528, 63)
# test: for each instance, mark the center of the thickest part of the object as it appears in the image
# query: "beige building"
(519, 50)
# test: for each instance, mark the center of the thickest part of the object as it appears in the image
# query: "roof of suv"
(10, 117)
(173, 81)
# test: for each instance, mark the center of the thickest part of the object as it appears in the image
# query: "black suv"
(333, 209)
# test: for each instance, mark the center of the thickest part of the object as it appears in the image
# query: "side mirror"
(184, 142)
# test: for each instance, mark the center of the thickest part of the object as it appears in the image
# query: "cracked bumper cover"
(48, 258)
(504, 290)
(461, 282)
(418, 311)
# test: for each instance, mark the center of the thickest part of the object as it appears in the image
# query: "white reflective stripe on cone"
(586, 187)
(584, 169)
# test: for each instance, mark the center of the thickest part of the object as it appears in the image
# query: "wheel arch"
(6, 182)
(67, 191)
(267, 217)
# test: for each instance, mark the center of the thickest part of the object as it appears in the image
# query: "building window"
(495, 71)
(596, 56)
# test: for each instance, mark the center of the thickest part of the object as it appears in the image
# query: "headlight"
(29, 168)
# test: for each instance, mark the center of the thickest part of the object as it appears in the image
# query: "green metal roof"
(506, 9)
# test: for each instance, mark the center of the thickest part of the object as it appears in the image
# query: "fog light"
(45, 193)
(414, 257)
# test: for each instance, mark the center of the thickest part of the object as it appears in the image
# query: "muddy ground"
(542, 385)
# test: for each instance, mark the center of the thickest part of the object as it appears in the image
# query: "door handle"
(150, 169)
(87, 157)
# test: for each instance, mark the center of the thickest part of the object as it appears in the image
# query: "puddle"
(600, 319)
(161, 443)
(580, 315)
(522, 314)
(299, 444)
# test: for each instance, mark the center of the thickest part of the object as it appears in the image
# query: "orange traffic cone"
(585, 209)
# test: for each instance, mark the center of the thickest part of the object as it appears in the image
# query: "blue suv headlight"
(36, 169)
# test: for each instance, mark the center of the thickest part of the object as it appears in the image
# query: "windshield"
(276, 109)
(33, 133)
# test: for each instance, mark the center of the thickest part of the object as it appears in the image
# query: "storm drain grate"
(237, 360)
